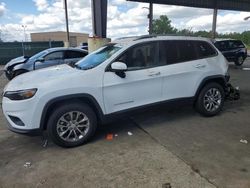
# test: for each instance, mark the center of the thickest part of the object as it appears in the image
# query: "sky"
(124, 18)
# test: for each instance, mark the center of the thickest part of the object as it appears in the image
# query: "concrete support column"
(99, 18)
(99, 22)
(95, 43)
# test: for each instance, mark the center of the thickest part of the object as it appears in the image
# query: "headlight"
(21, 94)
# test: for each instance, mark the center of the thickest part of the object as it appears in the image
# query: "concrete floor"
(175, 146)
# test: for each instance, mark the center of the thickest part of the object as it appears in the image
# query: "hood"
(41, 78)
(15, 61)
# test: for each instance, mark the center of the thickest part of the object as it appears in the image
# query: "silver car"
(46, 58)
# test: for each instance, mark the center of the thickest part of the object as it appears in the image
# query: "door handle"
(200, 66)
(154, 73)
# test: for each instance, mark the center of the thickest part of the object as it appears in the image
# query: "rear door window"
(237, 44)
(186, 50)
(70, 54)
(54, 56)
(168, 53)
(177, 51)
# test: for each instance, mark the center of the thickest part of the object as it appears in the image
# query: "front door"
(51, 59)
(143, 81)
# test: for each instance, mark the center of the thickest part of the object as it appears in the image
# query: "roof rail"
(145, 37)
(158, 35)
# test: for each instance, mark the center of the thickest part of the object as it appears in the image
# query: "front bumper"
(29, 132)
(22, 116)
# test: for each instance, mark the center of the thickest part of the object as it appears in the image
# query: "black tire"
(204, 99)
(18, 72)
(8, 76)
(53, 126)
(239, 60)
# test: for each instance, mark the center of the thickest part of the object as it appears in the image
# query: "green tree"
(163, 26)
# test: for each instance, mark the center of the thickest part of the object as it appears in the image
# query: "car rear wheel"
(210, 100)
(239, 61)
(72, 124)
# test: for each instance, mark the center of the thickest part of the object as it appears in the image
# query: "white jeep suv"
(69, 102)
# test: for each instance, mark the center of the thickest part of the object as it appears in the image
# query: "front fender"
(22, 66)
(83, 97)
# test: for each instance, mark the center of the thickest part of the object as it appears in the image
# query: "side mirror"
(41, 59)
(119, 68)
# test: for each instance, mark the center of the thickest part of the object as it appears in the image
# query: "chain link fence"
(10, 50)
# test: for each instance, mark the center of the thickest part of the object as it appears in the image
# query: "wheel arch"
(82, 98)
(217, 79)
(20, 70)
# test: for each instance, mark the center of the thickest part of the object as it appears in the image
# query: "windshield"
(96, 58)
(36, 56)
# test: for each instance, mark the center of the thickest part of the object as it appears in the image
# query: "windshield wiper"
(76, 66)
(87, 68)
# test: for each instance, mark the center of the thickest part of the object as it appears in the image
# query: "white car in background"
(70, 101)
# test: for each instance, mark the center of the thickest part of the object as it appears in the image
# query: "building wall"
(75, 38)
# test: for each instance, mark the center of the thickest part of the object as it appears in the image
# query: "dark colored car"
(43, 59)
(233, 50)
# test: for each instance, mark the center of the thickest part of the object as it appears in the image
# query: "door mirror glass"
(119, 66)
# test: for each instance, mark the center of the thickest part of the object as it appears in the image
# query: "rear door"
(51, 59)
(186, 66)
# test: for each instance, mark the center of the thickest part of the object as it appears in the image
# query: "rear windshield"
(229, 44)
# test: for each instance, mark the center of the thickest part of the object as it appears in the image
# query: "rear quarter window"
(237, 44)
(204, 49)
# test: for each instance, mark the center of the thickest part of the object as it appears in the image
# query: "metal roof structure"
(99, 10)
(238, 5)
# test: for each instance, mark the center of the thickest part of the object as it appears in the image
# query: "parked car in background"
(84, 46)
(46, 58)
(119, 77)
(233, 50)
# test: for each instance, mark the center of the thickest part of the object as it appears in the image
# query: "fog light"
(16, 120)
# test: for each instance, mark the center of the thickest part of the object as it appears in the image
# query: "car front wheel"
(72, 125)
(210, 100)
(19, 72)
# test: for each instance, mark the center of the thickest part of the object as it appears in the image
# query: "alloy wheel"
(73, 126)
(212, 100)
